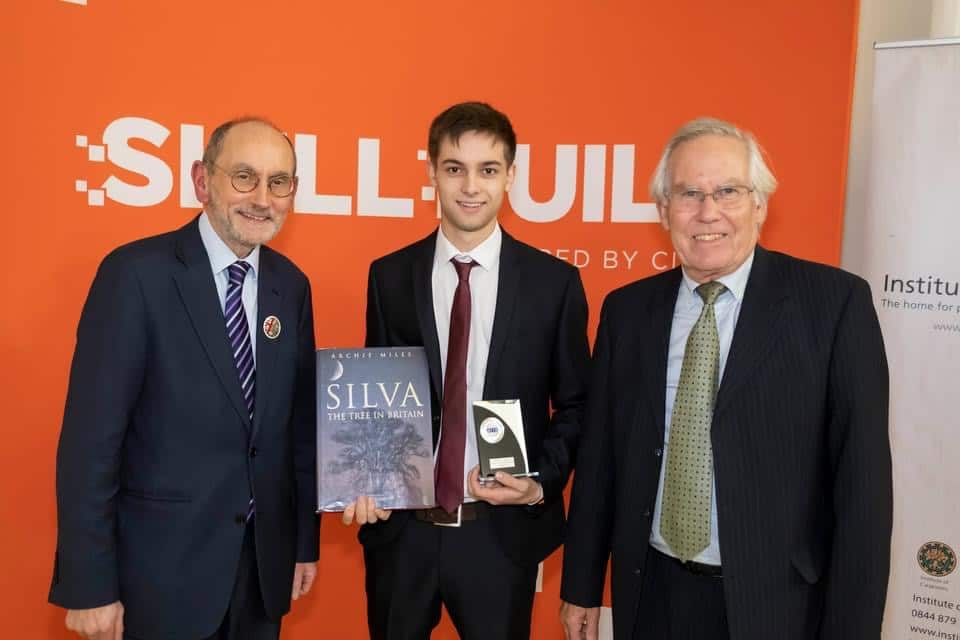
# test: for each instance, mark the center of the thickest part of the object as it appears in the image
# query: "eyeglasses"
(726, 197)
(245, 181)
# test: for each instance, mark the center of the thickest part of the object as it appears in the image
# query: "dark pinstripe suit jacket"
(801, 454)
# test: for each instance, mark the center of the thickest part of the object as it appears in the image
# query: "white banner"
(912, 235)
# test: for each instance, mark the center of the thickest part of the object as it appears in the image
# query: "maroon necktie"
(453, 422)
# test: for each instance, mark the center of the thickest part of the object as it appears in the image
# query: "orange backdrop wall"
(108, 101)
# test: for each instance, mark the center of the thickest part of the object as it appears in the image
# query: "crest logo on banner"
(937, 559)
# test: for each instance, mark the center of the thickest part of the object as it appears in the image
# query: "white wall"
(880, 21)
(945, 19)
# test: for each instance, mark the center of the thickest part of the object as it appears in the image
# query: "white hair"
(761, 178)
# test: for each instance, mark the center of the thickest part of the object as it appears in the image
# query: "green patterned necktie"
(685, 512)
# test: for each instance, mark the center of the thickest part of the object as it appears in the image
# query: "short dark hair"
(471, 116)
(215, 144)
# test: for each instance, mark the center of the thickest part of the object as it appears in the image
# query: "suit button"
(253, 452)
(638, 572)
(658, 452)
(239, 519)
(646, 514)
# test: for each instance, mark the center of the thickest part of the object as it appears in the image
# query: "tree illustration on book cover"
(374, 433)
(377, 454)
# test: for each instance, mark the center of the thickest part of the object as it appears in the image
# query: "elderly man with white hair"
(735, 461)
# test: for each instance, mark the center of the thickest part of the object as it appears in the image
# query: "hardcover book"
(374, 435)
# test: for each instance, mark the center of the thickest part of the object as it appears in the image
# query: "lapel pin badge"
(271, 327)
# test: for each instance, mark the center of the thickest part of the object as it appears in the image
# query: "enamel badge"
(271, 327)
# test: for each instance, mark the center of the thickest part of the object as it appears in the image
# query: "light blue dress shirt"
(221, 257)
(685, 313)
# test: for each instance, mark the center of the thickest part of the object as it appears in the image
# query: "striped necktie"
(238, 332)
(239, 335)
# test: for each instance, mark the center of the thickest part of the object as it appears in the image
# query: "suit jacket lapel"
(757, 326)
(654, 371)
(199, 293)
(423, 299)
(508, 284)
(269, 301)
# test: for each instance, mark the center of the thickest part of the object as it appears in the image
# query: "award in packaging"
(500, 441)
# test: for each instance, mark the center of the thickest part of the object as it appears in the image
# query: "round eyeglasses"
(245, 181)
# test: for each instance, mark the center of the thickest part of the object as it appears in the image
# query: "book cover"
(374, 433)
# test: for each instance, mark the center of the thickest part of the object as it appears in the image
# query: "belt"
(696, 568)
(464, 513)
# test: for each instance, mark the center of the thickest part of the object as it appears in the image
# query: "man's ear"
(760, 214)
(664, 218)
(201, 181)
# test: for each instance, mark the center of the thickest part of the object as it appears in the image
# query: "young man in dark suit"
(186, 466)
(735, 461)
(499, 320)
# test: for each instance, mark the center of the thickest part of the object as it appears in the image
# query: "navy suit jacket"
(800, 445)
(538, 353)
(158, 457)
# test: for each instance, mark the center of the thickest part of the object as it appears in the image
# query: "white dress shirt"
(221, 257)
(685, 313)
(483, 303)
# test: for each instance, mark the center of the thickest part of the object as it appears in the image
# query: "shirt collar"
(484, 254)
(735, 281)
(221, 256)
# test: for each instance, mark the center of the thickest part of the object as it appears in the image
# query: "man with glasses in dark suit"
(186, 467)
(735, 463)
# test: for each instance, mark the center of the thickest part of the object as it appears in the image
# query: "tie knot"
(463, 268)
(238, 271)
(710, 291)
